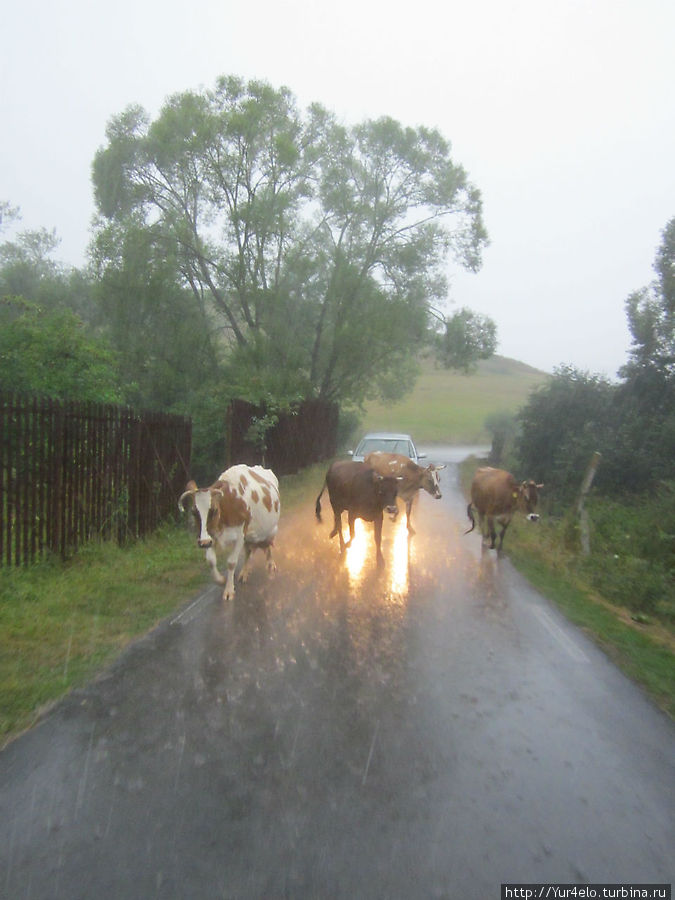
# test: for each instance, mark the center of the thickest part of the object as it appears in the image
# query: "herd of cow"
(240, 511)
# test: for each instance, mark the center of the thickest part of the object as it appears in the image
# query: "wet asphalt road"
(428, 730)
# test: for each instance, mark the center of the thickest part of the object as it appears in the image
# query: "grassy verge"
(642, 646)
(61, 623)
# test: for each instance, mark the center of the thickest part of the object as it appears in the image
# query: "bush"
(563, 423)
(633, 582)
(632, 560)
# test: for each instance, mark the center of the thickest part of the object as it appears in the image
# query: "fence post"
(580, 508)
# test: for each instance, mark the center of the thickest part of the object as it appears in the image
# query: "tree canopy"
(49, 352)
(651, 314)
(467, 338)
(313, 250)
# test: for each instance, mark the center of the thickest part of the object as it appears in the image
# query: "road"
(428, 730)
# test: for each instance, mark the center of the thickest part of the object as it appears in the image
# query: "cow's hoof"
(228, 596)
(271, 569)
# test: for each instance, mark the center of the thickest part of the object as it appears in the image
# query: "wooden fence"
(72, 471)
(300, 438)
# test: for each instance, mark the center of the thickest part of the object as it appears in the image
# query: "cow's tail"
(469, 512)
(317, 508)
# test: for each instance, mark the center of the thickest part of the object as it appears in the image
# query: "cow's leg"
(352, 520)
(212, 561)
(377, 521)
(504, 526)
(233, 558)
(408, 510)
(482, 523)
(246, 568)
(491, 531)
(337, 524)
(249, 549)
(337, 527)
(271, 565)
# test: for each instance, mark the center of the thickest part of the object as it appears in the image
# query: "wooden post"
(229, 413)
(581, 511)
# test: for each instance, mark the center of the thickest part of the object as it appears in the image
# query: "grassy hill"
(446, 407)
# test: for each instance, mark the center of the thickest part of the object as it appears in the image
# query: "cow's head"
(385, 489)
(431, 480)
(205, 509)
(528, 497)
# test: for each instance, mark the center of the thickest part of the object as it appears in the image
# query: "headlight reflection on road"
(358, 551)
(398, 572)
(362, 552)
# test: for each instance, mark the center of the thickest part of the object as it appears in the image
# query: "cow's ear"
(191, 486)
(539, 487)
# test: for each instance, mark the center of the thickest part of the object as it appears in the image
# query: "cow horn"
(182, 498)
(190, 490)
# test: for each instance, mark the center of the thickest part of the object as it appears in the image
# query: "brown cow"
(355, 487)
(413, 477)
(496, 496)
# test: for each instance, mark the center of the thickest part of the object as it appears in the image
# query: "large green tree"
(651, 315)
(646, 402)
(315, 249)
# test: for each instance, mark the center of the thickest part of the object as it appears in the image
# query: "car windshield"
(386, 445)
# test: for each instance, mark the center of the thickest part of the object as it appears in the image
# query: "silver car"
(387, 442)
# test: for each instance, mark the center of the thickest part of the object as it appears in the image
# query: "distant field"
(452, 408)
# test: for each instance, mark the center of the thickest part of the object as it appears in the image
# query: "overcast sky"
(561, 111)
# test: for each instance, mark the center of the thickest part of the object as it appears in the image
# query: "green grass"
(446, 407)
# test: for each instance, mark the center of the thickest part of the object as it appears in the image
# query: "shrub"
(632, 558)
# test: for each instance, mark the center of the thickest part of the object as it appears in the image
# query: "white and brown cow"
(239, 511)
(411, 477)
(496, 496)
